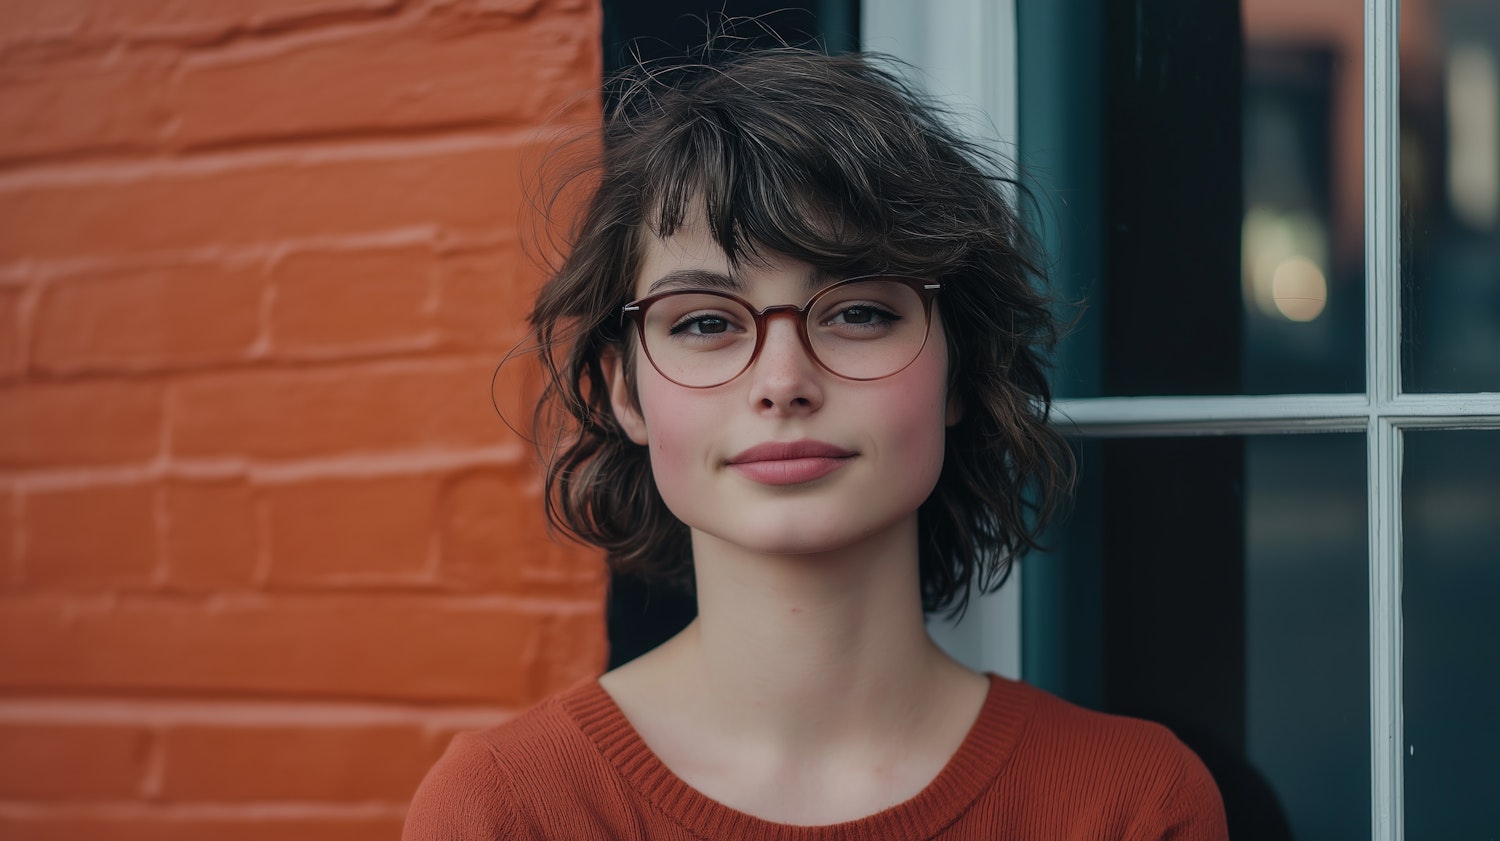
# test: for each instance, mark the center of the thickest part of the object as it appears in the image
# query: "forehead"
(692, 258)
(691, 245)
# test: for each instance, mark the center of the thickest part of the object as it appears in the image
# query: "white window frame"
(978, 49)
(966, 53)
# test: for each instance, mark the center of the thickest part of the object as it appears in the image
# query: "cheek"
(675, 430)
(921, 428)
(916, 414)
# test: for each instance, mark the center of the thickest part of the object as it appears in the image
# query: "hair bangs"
(760, 191)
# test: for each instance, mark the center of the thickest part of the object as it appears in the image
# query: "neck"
(811, 649)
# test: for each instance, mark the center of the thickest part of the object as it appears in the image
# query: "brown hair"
(835, 161)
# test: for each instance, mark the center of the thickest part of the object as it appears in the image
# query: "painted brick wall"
(264, 545)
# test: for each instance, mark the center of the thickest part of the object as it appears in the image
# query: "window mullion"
(1383, 370)
(1256, 414)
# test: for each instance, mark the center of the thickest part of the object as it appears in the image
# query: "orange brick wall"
(264, 545)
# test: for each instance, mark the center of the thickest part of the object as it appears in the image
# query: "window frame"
(966, 54)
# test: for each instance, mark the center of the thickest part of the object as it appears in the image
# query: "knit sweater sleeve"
(465, 797)
(1190, 810)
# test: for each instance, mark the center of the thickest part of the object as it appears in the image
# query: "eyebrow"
(705, 279)
(695, 279)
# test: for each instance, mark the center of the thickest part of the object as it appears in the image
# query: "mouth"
(789, 463)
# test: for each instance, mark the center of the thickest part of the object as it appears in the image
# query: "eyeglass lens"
(862, 330)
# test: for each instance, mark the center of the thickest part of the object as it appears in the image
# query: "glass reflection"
(1302, 242)
(1451, 495)
(1203, 192)
(1450, 190)
(1219, 585)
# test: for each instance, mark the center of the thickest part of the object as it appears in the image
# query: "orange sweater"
(1032, 767)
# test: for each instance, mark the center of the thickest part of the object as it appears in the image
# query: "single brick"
(237, 764)
(96, 537)
(11, 359)
(328, 299)
(167, 825)
(351, 531)
(212, 540)
(469, 185)
(435, 72)
(79, 423)
(165, 317)
(51, 761)
(93, 103)
(348, 409)
(413, 648)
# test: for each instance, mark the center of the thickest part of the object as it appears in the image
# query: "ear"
(622, 398)
(955, 409)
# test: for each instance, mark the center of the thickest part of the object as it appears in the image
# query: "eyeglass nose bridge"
(798, 317)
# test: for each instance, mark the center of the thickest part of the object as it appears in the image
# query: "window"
(1283, 217)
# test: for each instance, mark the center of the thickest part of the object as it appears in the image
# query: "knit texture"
(1032, 766)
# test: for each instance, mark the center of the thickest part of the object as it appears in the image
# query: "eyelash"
(876, 311)
(686, 322)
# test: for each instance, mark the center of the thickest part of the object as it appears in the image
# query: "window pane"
(1450, 195)
(1219, 585)
(1302, 235)
(1203, 180)
(1451, 498)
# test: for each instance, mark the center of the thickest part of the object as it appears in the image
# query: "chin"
(807, 531)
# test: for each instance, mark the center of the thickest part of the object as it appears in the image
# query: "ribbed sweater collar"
(988, 746)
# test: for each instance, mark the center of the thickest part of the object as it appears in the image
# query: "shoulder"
(485, 784)
(1138, 770)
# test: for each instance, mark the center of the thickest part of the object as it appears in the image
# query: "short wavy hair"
(838, 162)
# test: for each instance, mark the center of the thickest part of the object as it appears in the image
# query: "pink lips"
(789, 463)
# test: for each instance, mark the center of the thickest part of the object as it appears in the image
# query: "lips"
(789, 463)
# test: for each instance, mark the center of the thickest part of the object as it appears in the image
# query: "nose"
(784, 378)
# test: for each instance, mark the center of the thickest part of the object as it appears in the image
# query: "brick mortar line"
(262, 473)
(15, 571)
(204, 36)
(153, 777)
(77, 604)
(341, 150)
(263, 810)
(443, 359)
(580, 109)
(248, 41)
(444, 242)
(432, 346)
(271, 34)
(437, 359)
(247, 714)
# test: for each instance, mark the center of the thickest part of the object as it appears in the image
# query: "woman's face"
(787, 458)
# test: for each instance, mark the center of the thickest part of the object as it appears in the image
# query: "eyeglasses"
(863, 328)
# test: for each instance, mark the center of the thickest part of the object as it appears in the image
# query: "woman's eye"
(863, 314)
(701, 325)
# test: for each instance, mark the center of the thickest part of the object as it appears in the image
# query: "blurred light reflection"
(1473, 106)
(1284, 258)
(1299, 288)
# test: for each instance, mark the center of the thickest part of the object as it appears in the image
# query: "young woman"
(801, 353)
